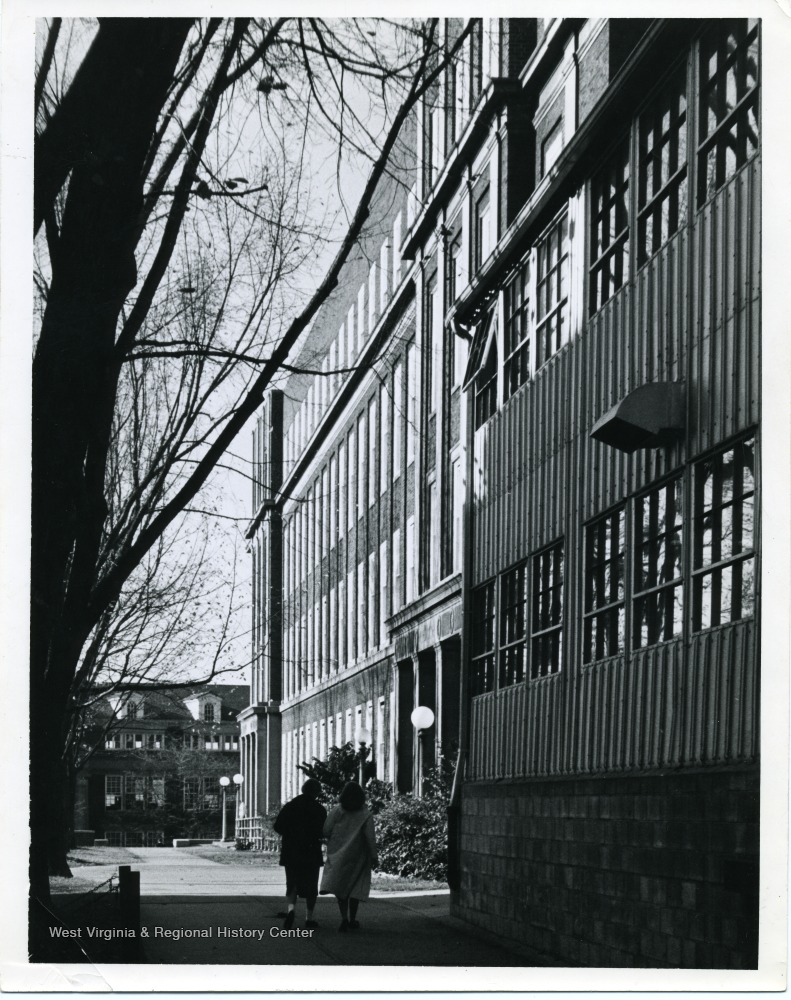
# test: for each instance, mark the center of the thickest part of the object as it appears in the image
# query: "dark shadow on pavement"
(233, 930)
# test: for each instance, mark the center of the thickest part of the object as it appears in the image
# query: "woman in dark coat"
(351, 853)
(300, 823)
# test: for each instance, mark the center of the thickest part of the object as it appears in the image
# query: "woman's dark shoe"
(344, 926)
(312, 924)
(354, 925)
(288, 923)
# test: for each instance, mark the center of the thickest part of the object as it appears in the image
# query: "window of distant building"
(113, 791)
(208, 712)
(728, 111)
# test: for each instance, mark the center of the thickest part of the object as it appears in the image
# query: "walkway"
(197, 911)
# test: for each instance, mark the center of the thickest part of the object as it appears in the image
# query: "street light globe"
(363, 735)
(225, 782)
(422, 717)
(238, 779)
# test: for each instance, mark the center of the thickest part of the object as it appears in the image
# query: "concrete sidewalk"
(195, 911)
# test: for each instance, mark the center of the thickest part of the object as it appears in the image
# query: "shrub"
(412, 837)
(412, 833)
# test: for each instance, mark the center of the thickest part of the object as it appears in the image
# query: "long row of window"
(337, 602)
(156, 741)
(679, 556)
(629, 221)
(132, 791)
(657, 151)
(317, 738)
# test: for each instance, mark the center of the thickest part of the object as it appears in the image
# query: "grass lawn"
(85, 865)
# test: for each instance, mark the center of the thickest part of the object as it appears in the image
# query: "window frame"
(649, 207)
(641, 594)
(689, 514)
(736, 116)
(484, 624)
(485, 386)
(617, 606)
(493, 674)
(556, 628)
(614, 176)
(507, 646)
(736, 560)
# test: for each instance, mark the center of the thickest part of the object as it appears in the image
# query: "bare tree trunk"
(74, 386)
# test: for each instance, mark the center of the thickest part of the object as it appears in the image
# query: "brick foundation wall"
(650, 871)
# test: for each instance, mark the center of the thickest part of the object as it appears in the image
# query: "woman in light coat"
(351, 853)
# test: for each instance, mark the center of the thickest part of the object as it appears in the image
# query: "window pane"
(547, 612)
(483, 638)
(604, 587)
(729, 102)
(609, 228)
(517, 330)
(513, 613)
(723, 586)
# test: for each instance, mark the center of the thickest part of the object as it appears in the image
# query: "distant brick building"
(155, 772)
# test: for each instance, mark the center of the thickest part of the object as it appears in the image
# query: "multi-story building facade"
(154, 759)
(552, 537)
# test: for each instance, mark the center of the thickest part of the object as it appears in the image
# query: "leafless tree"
(174, 264)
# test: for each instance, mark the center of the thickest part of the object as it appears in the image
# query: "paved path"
(198, 911)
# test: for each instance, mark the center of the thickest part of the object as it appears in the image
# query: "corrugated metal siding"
(541, 476)
(670, 705)
(724, 372)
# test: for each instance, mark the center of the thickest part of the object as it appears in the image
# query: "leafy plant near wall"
(412, 833)
(341, 766)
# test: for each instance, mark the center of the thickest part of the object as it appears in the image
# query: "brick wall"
(646, 871)
(594, 72)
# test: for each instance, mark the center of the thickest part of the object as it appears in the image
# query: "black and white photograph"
(395, 473)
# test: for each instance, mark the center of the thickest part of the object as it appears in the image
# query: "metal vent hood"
(651, 416)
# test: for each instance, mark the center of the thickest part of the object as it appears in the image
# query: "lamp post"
(363, 737)
(224, 782)
(237, 780)
(422, 718)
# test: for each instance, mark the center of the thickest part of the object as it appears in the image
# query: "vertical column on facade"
(448, 666)
(420, 428)
(405, 733)
(273, 661)
(245, 775)
(426, 694)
